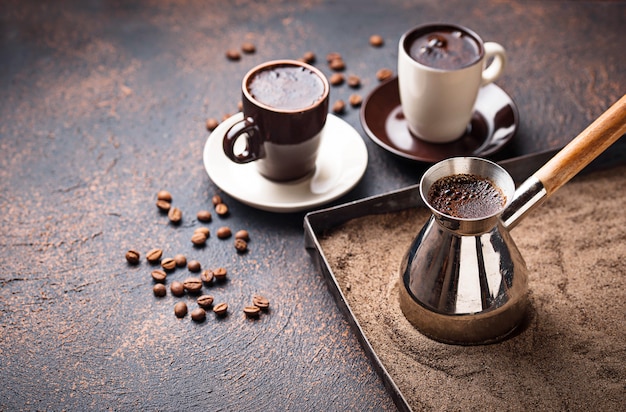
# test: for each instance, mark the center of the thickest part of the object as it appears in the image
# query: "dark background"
(103, 103)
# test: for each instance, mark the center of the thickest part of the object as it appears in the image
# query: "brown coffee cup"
(285, 105)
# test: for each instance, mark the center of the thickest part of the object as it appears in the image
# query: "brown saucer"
(493, 124)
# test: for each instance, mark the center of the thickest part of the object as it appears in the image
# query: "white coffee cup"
(441, 68)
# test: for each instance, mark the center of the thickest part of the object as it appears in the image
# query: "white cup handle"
(496, 68)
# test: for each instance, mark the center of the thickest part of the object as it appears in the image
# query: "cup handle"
(247, 129)
(496, 52)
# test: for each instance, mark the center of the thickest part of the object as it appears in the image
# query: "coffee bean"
(332, 56)
(226, 116)
(355, 100)
(339, 107)
(177, 288)
(207, 276)
(221, 209)
(181, 260)
(158, 275)
(308, 57)
(233, 55)
(198, 315)
(216, 200)
(354, 81)
(220, 309)
(168, 264)
(211, 124)
(194, 266)
(336, 79)
(154, 255)
(198, 239)
(163, 205)
(242, 234)
(220, 274)
(164, 195)
(384, 74)
(205, 301)
(241, 245)
(175, 215)
(204, 216)
(252, 311)
(159, 290)
(204, 230)
(180, 309)
(260, 302)
(132, 256)
(337, 65)
(376, 40)
(192, 285)
(224, 232)
(248, 47)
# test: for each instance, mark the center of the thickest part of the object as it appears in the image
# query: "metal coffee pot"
(463, 280)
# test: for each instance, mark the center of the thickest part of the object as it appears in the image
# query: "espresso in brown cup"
(285, 105)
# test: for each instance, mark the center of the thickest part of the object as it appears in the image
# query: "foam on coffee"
(445, 49)
(466, 196)
(286, 87)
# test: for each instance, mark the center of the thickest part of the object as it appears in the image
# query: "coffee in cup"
(285, 105)
(441, 68)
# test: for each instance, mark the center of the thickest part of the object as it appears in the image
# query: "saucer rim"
(307, 202)
(415, 155)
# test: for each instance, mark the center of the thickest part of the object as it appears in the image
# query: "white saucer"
(341, 163)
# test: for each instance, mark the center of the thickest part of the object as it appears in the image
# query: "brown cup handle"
(254, 146)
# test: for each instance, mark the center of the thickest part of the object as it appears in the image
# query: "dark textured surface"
(104, 103)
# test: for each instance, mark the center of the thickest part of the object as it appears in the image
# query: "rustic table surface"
(104, 103)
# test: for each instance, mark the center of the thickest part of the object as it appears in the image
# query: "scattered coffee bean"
(241, 245)
(216, 200)
(192, 285)
(337, 65)
(220, 274)
(384, 74)
(252, 311)
(204, 216)
(194, 266)
(220, 309)
(211, 124)
(158, 275)
(339, 107)
(376, 40)
(224, 232)
(233, 55)
(180, 309)
(354, 81)
(177, 288)
(159, 290)
(205, 301)
(242, 234)
(164, 195)
(132, 256)
(221, 209)
(248, 47)
(204, 230)
(154, 255)
(332, 56)
(198, 315)
(260, 302)
(181, 260)
(240, 106)
(355, 100)
(198, 239)
(226, 116)
(168, 264)
(163, 205)
(309, 57)
(336, 79)
(207, 276)
(175, 215)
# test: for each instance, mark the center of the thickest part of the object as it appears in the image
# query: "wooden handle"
(581, 151)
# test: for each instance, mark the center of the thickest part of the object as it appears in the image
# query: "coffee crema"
(466, 196)
(286, 87)
(445, 49)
